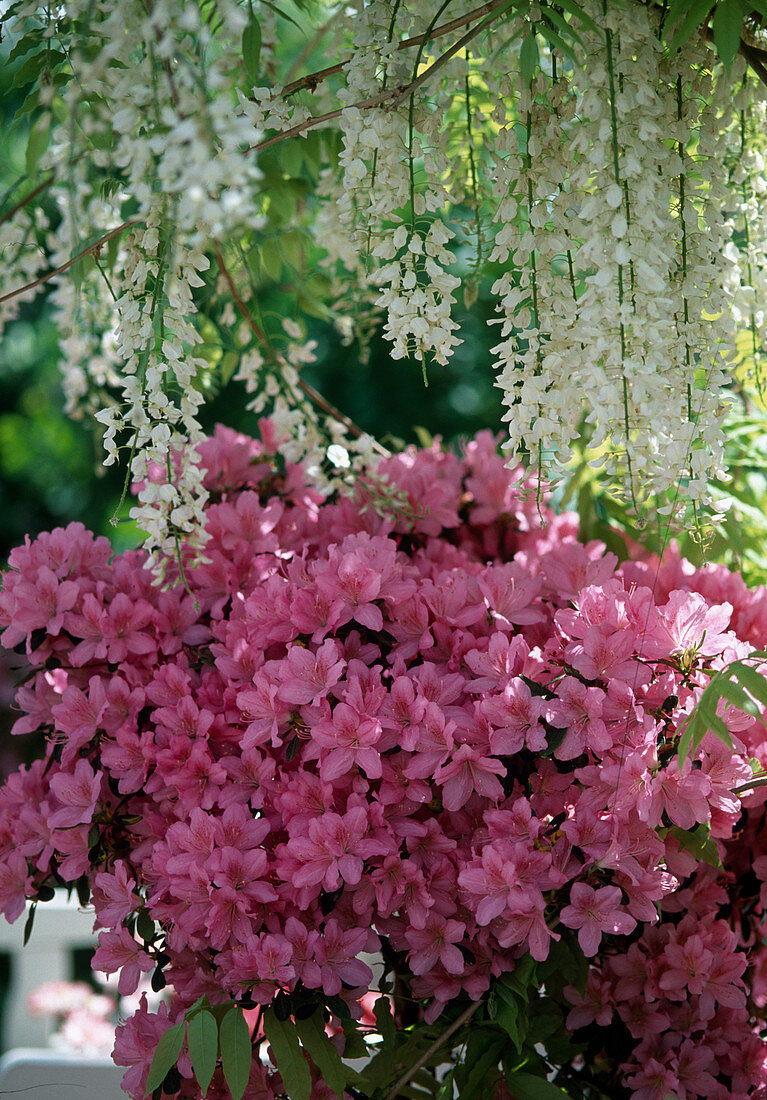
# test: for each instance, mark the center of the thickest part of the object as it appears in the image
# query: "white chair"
(51, 1075)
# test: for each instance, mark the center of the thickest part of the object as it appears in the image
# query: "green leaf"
(385, 1064)
(753, 681)
(574, 10)
(236, 1051)
(554, 40)
(698, 842)
(446, 1091)
(528, 57)
(355, 1046)
(693, 13)
(33, 68)
(385, 1020)
(734, 693)
(251, 46)
(26, 43)
(290, 1061)
(568, 32)
(281, 12)
(523, 977)
(728, 20)
(145, 926)
(322, 1052)
(271, 262)
(508, 1018)
(481, 1063)
(30, 923)
(165, 1056)
(526, 1086)
(202, 1040)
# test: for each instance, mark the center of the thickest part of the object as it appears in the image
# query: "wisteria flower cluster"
(606, 183)
(445, 737)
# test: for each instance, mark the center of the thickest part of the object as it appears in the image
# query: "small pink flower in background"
(85, 1019)
(14, 885)
(59, 998)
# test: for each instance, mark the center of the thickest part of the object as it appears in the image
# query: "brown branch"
(309, 391)
(65, 267)
(443, 59)
(311, 80)
(393, 96)
(441, 1039)
(27, 199)
(755, 58)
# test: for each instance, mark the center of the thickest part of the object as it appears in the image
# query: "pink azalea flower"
(15, 885)
(595, 912)
(118, 951)
(468, 771)
(78, 796)
(434, 943)
(308, 677)
(113, 895)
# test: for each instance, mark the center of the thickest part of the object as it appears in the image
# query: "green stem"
(621, 294)
(411, 105)
(473, 171)
(143, 363)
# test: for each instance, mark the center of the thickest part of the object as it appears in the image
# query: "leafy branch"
(741, 685)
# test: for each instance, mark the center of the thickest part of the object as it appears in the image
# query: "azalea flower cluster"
(448, 733)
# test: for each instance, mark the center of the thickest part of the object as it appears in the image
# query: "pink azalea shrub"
(448, 734)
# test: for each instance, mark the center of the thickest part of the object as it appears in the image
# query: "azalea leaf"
(698, 842)
(527, 1086)
(165, 1056)
(385, 1020)
(30, 922)
(236, 1050)
(202, 1040)
(754, 681)
(446, 1091)
(355, 1046)
(322, 1052)
(734, 693)
(483, 1055)
(291, 1063)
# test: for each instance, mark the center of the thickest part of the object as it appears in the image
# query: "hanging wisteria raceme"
(146, 136)
(181, 161)
(643, 252)
(749, 260)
